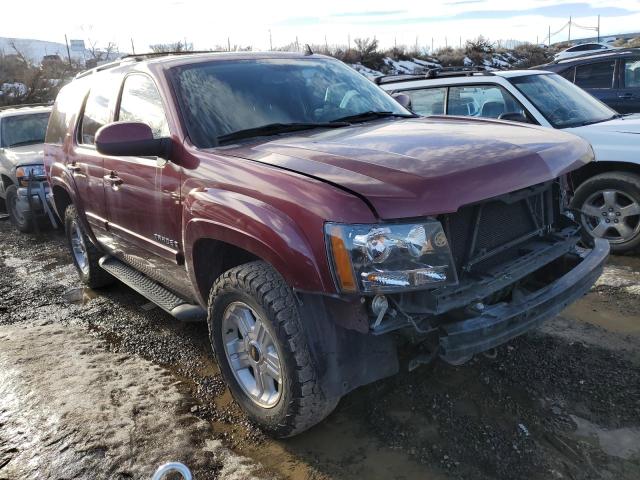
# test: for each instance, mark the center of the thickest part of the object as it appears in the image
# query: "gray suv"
(23, 185)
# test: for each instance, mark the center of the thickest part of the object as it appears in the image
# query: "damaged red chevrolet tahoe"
(319, 227)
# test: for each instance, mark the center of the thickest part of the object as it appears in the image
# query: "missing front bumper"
(502, 322)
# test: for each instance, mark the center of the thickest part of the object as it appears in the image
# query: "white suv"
(607, 192)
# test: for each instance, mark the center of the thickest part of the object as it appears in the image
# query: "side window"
(141, 102)
(68, 103)
(568, 74)
(489, 101)
(595, 75)
(632, 73)
(96, 111)
(428, 101)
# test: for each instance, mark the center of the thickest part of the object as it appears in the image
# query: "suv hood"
(613, 140)
(24, 155)
(427, 166)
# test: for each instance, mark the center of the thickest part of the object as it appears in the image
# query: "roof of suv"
(170, 59)
(12, 110)
(464, 76)
(597, 55)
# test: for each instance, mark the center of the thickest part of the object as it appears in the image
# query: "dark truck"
(318, 226)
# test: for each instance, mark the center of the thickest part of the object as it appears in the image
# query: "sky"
(207, 24)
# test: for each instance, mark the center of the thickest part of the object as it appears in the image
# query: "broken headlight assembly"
(387, 258)
(23, 173)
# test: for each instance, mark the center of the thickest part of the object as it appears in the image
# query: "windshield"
(222, 97)
(23, 129)
(561, 102)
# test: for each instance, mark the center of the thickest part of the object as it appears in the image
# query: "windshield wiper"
(371, 115)
(275, 128)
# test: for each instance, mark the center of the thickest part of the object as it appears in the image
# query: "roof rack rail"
(139, 57)
(143, 56)
(25, 105)
(598, 54)
(432, 73)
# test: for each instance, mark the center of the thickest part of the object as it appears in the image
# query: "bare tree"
(178, 46)
(100, 54)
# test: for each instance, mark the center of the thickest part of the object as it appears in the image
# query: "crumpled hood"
(613, 140)
(426, 166)
(24, 155)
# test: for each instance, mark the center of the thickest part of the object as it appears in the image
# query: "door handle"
(626, 95)
(113, 179)
(73, 167)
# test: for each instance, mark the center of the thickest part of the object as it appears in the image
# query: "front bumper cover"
(36, 198)
(504, 321)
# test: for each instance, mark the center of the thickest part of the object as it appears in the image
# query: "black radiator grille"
(492, 224)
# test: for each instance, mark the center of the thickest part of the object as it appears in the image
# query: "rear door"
(628, 100)
(143, 193)
(598, 78)
(84, 162)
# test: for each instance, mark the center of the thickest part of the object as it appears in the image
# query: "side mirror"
(514, 117)
(131, 139)
(403, 99)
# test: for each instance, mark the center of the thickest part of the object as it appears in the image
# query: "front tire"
(262, 350)
(84, 254)
(609, 205)
(22, 221)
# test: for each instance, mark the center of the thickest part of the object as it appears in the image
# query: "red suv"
(318, 225)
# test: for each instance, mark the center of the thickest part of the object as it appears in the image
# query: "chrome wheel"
(79, 248)
(252, 354)
(611, 214)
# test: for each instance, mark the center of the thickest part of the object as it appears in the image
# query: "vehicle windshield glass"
(24, 129)
(227, 96)
(561, 102)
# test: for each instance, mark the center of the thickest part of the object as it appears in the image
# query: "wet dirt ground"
(560, 402)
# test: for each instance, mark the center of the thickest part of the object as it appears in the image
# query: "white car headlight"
(390, 258)
(24, 172)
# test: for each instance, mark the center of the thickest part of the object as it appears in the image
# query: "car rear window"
(595, 75)
(632, 73)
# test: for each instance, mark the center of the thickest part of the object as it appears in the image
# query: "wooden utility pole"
(598, 28)
(431, 45)
(549, 35)
(270, 41)
(348, 42)
(133, 49)
(569, 28)
(66, 42)
(228, 44)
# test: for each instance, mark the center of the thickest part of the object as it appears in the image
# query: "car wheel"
(84, 254)
(262, 350)
(22, 221)
(609, 206)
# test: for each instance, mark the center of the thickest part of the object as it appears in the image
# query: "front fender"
(258, 228)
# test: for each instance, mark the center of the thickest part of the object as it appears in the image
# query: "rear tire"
(613, 200)
(22, 221)
(84, 254)
(256, 299)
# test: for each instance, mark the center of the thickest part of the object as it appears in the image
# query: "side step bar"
(152, 290)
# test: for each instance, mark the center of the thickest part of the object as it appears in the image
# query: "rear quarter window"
(68, 103)
(595, 75)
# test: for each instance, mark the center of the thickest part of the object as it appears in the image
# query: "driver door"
(144, 209)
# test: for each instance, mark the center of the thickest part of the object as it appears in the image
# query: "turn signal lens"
(341, 261)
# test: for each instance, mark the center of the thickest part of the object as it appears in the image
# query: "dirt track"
(562, 402)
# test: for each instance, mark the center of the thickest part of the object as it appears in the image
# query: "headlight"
(390, 258)
(23, 173)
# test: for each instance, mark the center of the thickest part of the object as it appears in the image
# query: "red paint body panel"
(272, 196)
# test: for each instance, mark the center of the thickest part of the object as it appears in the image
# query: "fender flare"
(254, 226)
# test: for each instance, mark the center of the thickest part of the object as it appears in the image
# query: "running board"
(152, 290)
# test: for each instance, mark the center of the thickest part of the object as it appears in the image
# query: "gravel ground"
(561, 402)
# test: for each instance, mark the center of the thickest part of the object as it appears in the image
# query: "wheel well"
(211, 258)
(595, 168)
(6, 181)
(62, 200)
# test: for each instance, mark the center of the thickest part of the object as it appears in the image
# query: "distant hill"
(35, 50)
